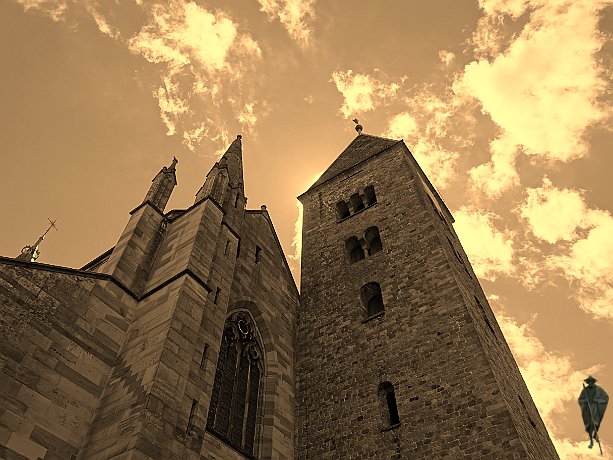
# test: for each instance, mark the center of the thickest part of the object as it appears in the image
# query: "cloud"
(436, 128)
(193, 137)
(55, 9)
(498, 174)
(296, 16)
(589, 265)
(551, 378)
(201, 53)
(542, 90)
(584, 244)
(553, 214)
(446, 57)
(437, 163)
(361, 92)
(247, 116)
(489, 249)
(205, 63)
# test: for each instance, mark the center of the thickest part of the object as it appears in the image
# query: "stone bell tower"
(399, 354)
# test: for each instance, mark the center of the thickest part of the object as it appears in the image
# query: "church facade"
(190, 340)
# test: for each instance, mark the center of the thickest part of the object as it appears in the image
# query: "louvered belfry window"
(236, 390)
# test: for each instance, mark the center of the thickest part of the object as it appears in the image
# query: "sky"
(504, 104)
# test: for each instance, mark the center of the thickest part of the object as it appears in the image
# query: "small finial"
(173, 164)
(263, 207)
(358, 126)
(238, 136)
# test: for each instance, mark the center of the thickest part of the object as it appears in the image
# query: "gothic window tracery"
(236, 389)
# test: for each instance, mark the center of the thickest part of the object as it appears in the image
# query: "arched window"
(356, 202)
(354, 250)
(389, 408)
(371, 197)
(342, 210)
(370, 294)
(236, 389)
(373, 240)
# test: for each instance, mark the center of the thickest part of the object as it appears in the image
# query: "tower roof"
(360, 149)
(233, 161)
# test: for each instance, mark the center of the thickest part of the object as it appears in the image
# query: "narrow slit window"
(192, 414)
(342, 210)
(526, 409)
(238, 249)
(236, 199)
(356, 202)
(354, 250)
(371, 197)
(372, 300)
(217, 292)
(373, 240)
(484, 315)
(205, 354)
(389, 407)
(227, 247)
(257, 254)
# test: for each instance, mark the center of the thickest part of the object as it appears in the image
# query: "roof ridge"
(361, 148)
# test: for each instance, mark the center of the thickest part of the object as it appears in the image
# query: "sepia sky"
(505, 105)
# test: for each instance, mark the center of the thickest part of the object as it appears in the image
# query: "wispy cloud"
(541, 89)
(297, 16)
(361, 92)
(201, 52)
(589, 265)
(202, 57)
(490, 250)
(55, 9)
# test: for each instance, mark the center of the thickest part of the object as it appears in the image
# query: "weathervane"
(358, 126)
(31, 253)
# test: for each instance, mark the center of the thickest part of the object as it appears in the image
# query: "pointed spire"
(233, 161)
(162, 185)
(225, 175)
(31, 253)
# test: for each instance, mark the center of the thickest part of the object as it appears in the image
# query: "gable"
(360, 149)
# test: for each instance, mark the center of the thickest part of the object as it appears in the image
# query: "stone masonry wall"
(267, 292)
(427, 345)
(60, 333)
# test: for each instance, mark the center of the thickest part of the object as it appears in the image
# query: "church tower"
(177, 343)
(399, 354)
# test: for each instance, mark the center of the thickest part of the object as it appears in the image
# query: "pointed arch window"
(237, 386)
